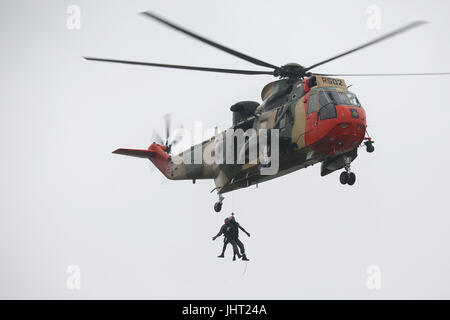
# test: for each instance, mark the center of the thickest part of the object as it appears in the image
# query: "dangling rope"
(232, 202)
(245, 268)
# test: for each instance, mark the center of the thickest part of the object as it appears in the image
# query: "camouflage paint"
(307, 139)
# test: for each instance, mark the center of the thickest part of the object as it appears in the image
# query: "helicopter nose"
(350, 128)
(351, 115)
(351, 123)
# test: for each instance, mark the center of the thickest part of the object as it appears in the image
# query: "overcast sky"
(66, 200)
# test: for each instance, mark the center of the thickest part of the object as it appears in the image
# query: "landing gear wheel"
(218, 206)
(369, 146)
(351, 179)
(344, 177)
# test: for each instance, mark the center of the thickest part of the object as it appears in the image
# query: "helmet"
(229, 219)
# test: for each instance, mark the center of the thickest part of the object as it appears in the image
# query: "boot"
(234, 257)
(221, 255)
(244, 257)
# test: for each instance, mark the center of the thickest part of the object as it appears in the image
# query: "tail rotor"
(170, 139)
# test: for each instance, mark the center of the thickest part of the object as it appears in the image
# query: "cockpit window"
(335, 97)
(353, 99)
(327, 104)
(312, 103)
(325, 97)
(325, 101)
(321, 99)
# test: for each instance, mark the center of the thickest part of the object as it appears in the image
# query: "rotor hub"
(291, 70)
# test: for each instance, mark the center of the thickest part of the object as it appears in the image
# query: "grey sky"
(66, 200)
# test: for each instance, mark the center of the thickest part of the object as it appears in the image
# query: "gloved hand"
(248, 234)
(214, 238)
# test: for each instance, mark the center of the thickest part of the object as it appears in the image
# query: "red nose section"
(340, 134)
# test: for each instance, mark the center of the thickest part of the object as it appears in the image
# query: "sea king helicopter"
(317, 117)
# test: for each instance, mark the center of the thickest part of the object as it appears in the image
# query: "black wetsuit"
(234, 237)
(227, 231)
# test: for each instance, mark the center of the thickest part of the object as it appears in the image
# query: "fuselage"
(317, 118)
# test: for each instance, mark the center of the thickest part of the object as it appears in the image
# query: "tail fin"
(155, 153)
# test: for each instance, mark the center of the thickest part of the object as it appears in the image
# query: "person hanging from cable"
(230, 230)
(234, 237)
(226, 231)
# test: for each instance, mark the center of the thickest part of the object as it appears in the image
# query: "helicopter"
(317, 118)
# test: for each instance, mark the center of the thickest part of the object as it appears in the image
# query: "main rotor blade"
(382, 74)
(157, 138)
(178, 137)
(211, 43)
(173, 66)
(379, 39)
(167, 121)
